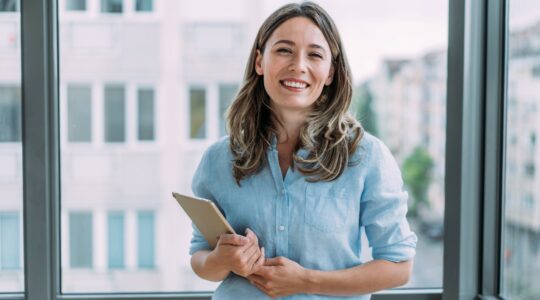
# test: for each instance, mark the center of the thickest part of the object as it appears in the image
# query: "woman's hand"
(280, 277)
(237, 253)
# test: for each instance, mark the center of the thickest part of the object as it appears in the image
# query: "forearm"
(206, 267)
(373, 276)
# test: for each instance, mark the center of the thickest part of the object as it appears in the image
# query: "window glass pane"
(521, 230)
(76, 5)
(196, 55)
(145, 106)
(146, 240)
(11, 168)
(9, 241)
(79, 113)
(115, 114)
(226, 96)
(80, 240)
(111, 6)
(197, 106)
(144, 5)
(10, 113)
(116, 240)
(8, 5)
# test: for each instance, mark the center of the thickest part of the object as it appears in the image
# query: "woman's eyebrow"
(291, 43)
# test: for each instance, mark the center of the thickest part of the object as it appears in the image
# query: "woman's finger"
(233, 239)
(260, 261)
(255, 257)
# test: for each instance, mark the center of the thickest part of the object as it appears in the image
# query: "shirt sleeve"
(383, 208)
(200, 189)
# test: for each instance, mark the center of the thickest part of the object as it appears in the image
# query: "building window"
(10, 114)
(115, 113)
(111, 6)
(79, 108)
(197, 109)
(80, 240)
(75, 5)
(536, 71)
(145, 115)
(146, 240)
(144, 5)
(115, 240)
(8, 5)
(529, 169)
(9, 241)
(226, 96)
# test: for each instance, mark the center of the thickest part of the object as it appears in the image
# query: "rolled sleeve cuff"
(399, 252)
(198, 242)
(194, 247)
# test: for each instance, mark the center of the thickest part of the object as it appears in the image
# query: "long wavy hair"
(330, 134)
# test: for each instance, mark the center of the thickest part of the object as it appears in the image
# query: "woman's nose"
(298, 64)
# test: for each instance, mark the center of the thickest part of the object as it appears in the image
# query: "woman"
(300, 177)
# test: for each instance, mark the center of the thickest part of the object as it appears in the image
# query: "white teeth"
(295, 84)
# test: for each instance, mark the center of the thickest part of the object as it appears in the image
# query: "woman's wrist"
(213, 263)
(311, 281)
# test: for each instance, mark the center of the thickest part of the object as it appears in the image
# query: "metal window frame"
(464, 146)
(494, 148)
(40, 140)
(473, 129)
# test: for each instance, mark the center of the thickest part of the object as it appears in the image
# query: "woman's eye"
(284, 50)
(316, 55)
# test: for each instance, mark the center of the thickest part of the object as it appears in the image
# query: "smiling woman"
(300, 177)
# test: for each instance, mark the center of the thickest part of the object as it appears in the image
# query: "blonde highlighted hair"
(330, 134)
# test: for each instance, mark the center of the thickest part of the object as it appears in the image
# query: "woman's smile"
(294, 85)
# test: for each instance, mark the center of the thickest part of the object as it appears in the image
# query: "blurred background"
(143, 88)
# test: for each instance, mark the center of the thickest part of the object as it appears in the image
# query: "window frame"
(476, 49)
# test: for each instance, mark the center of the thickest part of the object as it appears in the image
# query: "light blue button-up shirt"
(314, 224)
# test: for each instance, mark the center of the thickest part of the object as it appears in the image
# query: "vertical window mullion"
(40, 137)
(493, 148)
(464, 149)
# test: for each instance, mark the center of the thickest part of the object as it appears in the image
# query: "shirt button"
(283, 192)
(281, 228)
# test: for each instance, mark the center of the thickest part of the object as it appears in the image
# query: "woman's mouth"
(294, 85)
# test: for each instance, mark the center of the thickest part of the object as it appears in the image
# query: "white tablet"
(206, 216)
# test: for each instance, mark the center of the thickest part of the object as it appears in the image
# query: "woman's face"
(296, 65)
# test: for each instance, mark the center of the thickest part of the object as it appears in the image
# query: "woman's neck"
(289, 129)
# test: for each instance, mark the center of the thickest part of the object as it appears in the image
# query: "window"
(115, 240)
(76, 5)
(111, 6)
(227, 92)
(115, 113)
(197, 109)
(144, 5)
(79, 109)
(182, 71)
(146, 115)
(146, 240)
(9, 241)
(10, 114)
(12, 269)
(521, 229)
(8, 5)
(80, 240)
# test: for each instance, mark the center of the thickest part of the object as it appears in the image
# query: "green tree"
(362, 108)
(417, 174)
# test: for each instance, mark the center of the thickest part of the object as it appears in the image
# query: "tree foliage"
(362, 107)
(417, 174)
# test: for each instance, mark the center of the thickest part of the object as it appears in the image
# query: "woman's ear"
(330, 76)
(258, 63)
